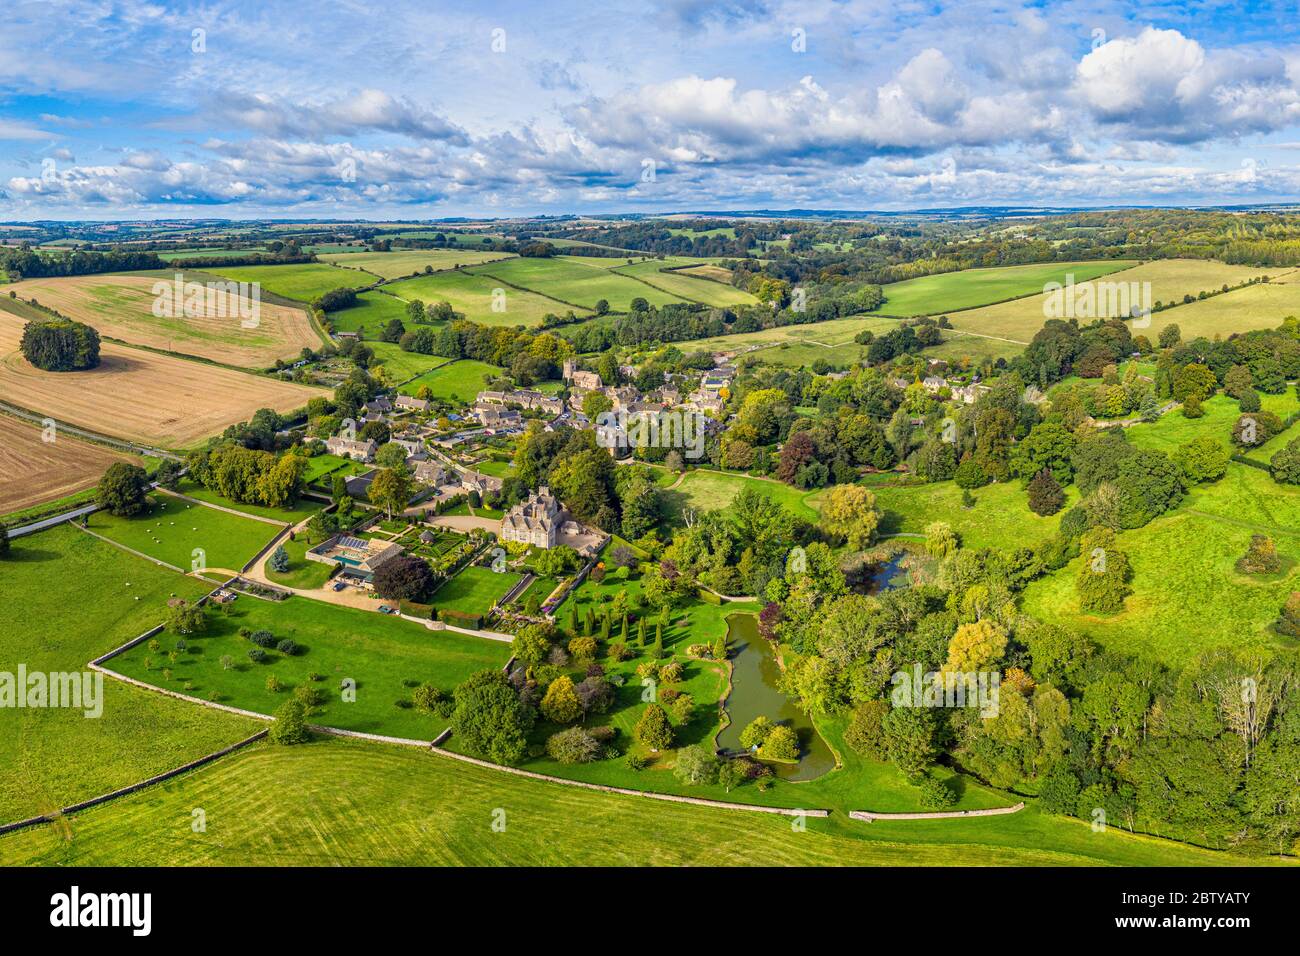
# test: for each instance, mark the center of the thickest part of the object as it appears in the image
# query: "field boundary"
(131, 788)
(869, 816)
(138, 554)
(96, 438)
(624, 791)
(657, 288)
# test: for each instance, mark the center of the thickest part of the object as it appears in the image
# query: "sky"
(425, 110)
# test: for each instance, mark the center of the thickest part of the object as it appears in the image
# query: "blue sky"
(421, 110)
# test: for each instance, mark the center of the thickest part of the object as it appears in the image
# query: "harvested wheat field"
(34, 471)
(142, 396)
(121, 307)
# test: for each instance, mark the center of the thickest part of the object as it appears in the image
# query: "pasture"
(576, 282)
(682, 283)
(386, 657)
(800, 344)
(68, 599)
(1170, 280)
(1261, 306)
(336, 802)
(372, 312)
(1000, 517)
(458, 382)
(121, 307)
(142, 396)
(302, 281)
(173, 530)
(34, 471)
(969, 288)
(405, 262)
(1187, 595)
(473, 295)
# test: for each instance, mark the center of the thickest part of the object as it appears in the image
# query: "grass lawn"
(404, 262)
(497, 469)
(372, 312)
(475, 590)
(303, 281)
(472, 294)
(1187, 596)
(67, 599)
(706, 490)
(952, 291)
(338, 802)
(576, 281)
(801, 344)
(303, 574)
(377, 651)
(172, 529)
(457, 382)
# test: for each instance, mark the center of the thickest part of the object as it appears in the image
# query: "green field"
(377, 651)
(372, 312)
(1221, 413)
(69, 598)
(1261, 306)
(678, 283)
(1170, 280)
(290, 514)
(1000, 517)
(800, 345)
(405, 262)
(177, 255)
(472, 295)
(575, 281)
(475, 590)
(400, 366)
(301, 281)
(706, 490)
(1187, 596)
(457, 382)
(338, 802)
(969, 288)
(172, 529)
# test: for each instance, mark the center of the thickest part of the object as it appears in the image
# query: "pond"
(754, 692)
(755, 689)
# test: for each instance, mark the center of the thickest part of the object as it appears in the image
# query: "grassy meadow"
(472, 294)
(970, 288)
(301, 281)
(1170, 280)
(381, 653)
(575, 281)
(405, 262)
(459, 381)
(69, 598)
(172, 529)
(337, 802)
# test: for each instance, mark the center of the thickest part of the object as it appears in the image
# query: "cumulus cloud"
(369, 110)
(1162, 85)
